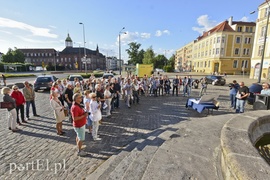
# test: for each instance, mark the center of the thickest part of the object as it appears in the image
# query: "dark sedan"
(44, 82)
(254, 89)
(215, 80)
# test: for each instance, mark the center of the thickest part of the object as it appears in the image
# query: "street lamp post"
(120, 32)
(84, 48)
(264, 42)
(54, 61)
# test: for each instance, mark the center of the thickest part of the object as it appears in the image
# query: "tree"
(149, 56)
(160, 61)
(14, 56)
(172, 61)
(134, 53)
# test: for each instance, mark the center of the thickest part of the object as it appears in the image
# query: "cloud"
(132, 36)
(36, 31)
(204, 23)
(6, 32)
(145, 35)
(244, 19)
(36, 41)
(160, 33)
(51, 26)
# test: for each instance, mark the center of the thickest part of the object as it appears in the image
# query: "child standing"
(95, 115)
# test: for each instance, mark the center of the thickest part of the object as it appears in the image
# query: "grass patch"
(19, 75)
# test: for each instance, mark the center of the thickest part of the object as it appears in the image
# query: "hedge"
(19, 75)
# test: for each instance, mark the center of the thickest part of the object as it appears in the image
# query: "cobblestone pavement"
(37, 152)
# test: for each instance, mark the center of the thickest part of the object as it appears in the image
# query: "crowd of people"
(87, 102)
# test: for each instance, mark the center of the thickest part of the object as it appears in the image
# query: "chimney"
(230, 20)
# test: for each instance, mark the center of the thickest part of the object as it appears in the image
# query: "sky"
(164, 25)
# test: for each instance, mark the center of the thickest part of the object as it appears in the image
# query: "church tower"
(68, 41)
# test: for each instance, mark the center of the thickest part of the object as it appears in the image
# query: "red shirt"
(18, 96)
(76, 111)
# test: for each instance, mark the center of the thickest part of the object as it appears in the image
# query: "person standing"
(233, 91)
(108, 99)
(242, 94)
(68, 93)
(161, 86)
(4, 79)
(58, 110)
(185, 86)
(265, 90)
(79, 120)
(117, 90)
(11, 111)
(95, 115)
(29, 95)
(86, 102)
(20, 101)
(135, 91)
(128, 92)
(203, 86)
(190, 82)
(175, 85)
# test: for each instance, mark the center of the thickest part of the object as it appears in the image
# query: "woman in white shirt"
(58, 109)
(108, 99)
(86, 102)
(95, 115)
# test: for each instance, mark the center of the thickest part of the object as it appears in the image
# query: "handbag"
(6, 105)
(66, 112)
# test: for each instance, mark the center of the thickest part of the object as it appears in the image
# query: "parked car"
(106, 75)
(254, 89)
(71, 77)
(44, 82)
(215, 80)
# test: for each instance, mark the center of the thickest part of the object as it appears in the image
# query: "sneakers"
(97, 139)
(81, 153)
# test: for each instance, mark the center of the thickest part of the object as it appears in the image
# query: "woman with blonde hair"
(108, 99)
(58, 109)
(12, 114)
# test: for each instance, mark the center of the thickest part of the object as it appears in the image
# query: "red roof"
(224, 26)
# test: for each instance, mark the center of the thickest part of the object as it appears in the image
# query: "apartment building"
(226, 48)
(183, 58)
(259, 43)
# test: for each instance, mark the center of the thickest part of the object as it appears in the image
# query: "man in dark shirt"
(117, 90)
(242, 95)
(68, 93)
(161, 85)
(175, 85)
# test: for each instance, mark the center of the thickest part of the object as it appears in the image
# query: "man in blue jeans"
(233, 91)
(242, 95)
(29, 95)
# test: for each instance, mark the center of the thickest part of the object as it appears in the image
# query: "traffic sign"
(87, 60)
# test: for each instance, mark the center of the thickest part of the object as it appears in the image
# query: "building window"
(266, 12)
(247, 29)
(205, 53)
(247, 40)
(239, 29)
(206, 43)
(205, 63)
(245, 64)
(210, 41)
(235, 64)
(263, 31)
(217, 50)
(222, 51)
(198, 64)
(218, 39)
(209, 64)
(210, 52)
(223, 40)
(250, 29)
(214, 41)
(260, 50)
(69, 60)
(246, 51)
(238, 40)
(236, 51)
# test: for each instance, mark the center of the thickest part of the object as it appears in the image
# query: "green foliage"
(13, 56)
(172, 60)
(21, 67)
(160, 61)
(135, 55)
(168, 68)
(149, 56)
(19, 75)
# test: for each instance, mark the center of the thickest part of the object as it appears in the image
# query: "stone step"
(104, 170)
(137, 168)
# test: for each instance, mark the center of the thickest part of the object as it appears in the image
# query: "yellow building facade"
(258, 45)
(183, 57)
(226, 48)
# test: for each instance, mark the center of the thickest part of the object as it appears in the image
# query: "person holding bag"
(58, 109)
(95, 115)
(11, 110)
(20, 101)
